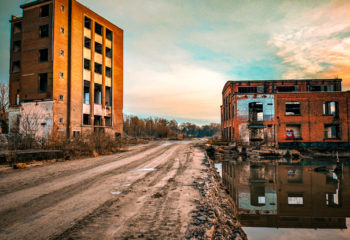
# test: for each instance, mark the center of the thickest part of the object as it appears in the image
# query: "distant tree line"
(162, 128)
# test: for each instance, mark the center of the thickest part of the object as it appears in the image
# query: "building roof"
(33, 3)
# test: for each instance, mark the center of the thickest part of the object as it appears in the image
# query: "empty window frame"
(108, 121)
(331, 131)
(62, 30)
(44, 11)
(87, 43)
(98, 28)
(17, 46)
(86, 92)
(98, 68)
(98, 47)
(87, 22)
(286, 88)
(61, 97)
(86, 119)
(108, 72)
(256, 111)
(97, 120)
(98, 93)
(109, 34)
(330, 108)
(332, 199)
(16, 66)
(108, 96)
(87, 64)
(293, 131)
(61, 75)
(247, 89)
(321, 88)
(108, 52)
(61, 52)
(17, 27)
(43, 79)
(44, 31)
(43, 55)
(295, 199)
(292, 108)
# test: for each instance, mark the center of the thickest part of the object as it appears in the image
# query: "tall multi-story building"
(286, 112)
(66, 70)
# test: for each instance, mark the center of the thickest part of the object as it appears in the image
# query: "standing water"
(285, 200)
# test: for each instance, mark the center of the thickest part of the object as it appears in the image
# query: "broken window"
(292, 108)
(86, 64)
(17, 27)
(108, 52)
(43, 55)
(293, 131)
(16, 66)
(332, 199)
(286, 88)
(17, 46)
(108, 72)
(331, 131)
(87, 42)
(108, 121)
(43, 82)
(87, 22)
(295, 199)
(109, 34)
(256, 134)
(86, 119)
(330, 108)
(256, 111)
(98, 28)
(86, 92)
(97, 120)
(44, 31)
(247, 89)
(108, 96)
(98, 93)
(98, 68)
(44, 11)
(98, 47)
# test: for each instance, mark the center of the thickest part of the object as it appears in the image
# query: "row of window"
(97, 94)
(263, 89)
(98, 68)
(98, 28)
(97, 120)
(329, 108)
(331, 131)
(98, 47)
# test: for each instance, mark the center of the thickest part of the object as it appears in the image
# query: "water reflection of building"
(272, 194)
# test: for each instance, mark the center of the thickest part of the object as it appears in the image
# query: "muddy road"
(143, 193)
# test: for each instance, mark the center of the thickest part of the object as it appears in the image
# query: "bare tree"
(4, 104)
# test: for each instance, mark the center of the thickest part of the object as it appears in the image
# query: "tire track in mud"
(32, 207)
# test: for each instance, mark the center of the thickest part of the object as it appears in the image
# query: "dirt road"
(144, 193)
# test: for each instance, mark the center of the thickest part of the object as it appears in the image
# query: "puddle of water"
(116, 192)
(145, 169)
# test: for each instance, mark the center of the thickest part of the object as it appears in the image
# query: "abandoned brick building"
(66, 70)
(286, 113)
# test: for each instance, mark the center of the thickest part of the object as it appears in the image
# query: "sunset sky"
(178, 54)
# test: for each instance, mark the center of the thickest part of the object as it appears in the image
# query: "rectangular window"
(86, 119)
(61, 97)
(292, 108)
(61, 75)
(44, 11)
(247, 89)
(44, 31)
(331, 131)
(17, 46)
(97, 120)
(43, 55)
(286, 88)
(330, 108)
(108, 96)
(62, 8)
(87, 64)
(109, 34)
(295, 199)
(98, 68)
(98, 93)
(62, 30)
(108, 72)
(98, 47)
(87, 42)
(86, 92)
(98, 28)
(43, 82)
(17, 27)
(293, 131)
(108, 52)
(76, 134)
(332, 199)
(16, 66)
(61, 52)
(87, 22)
(108, 121)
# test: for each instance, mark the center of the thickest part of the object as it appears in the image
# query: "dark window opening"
(17, 46)
(247, 89)
(44, 31)
(43, 82)
(98, 47)
(286, 88)
(16, 66)
(87, 42)
(76, 134)
(98, 93)
(86, 119)
(109, 34)
(97, 120)
(43, 55)
(61, 97)
(330, 108)
(86, 92)
(86, 64)
(292, 108)
(256, 111)
(321, 88)
(331, 131)
(108, 72)
(98, 28)
(108, 52)
(17, 27)
(108, 121)
(108, 96)
(332, 199)
(44, 11)
(293, 131)
(98, 68)
(87, 22)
